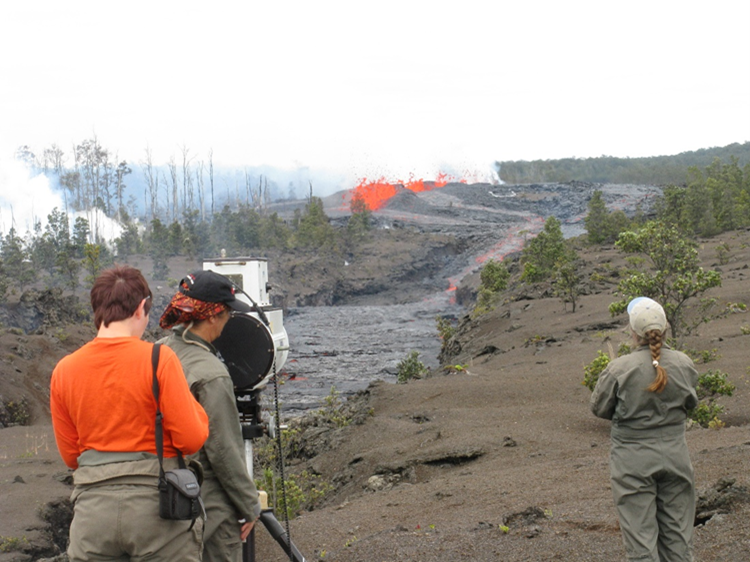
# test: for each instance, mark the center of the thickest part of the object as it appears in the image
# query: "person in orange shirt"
(103, 415)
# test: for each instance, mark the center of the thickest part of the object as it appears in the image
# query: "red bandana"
(184, 309)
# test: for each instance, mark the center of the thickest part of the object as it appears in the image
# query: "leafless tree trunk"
(152, 185)
(122, 170)
(211, 179)
(173, 182)
(92, 161)
(199, 182)
(187, 187)
(248, 189)
(52, 160)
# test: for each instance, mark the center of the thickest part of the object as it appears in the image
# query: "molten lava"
(377, 193)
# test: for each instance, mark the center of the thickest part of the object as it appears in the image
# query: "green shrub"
(16, 413)
(545, 252)
(301, 491)
(445, 329)
(493, 281)
(333, 411)
(722, 252)
(706, 414)
(624, 349)
(714, 383)
(13, 544)
(494, 276)
(592, 371)
(711, 384)
(410, 368)
(705, 356)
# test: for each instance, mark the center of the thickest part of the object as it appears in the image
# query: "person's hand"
(245, 529)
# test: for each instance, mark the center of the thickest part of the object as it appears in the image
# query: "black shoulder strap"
(159, 430)
(159, 433)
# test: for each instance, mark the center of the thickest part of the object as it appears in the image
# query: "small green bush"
(722, 252)
(16, 413)
(714, 383)
(494, 276)
(706, 414)
(624, 349)
(493, 281)
(410, 368)
(592, 371)
(446, 331)
(302, 491)
(13, 544)
(707, 355)
(711, 384)
(333, 411)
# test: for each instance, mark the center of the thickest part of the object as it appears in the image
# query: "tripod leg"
(248, 547)
(279, 534)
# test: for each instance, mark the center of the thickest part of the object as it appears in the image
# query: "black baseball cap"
(209, 286)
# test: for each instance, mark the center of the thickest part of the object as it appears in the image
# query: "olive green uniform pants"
(221, 542)
(652, 485)
(116, 517)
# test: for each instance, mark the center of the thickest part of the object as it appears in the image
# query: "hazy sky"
(366, 89)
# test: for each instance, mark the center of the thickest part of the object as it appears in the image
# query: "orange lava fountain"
(377, 193)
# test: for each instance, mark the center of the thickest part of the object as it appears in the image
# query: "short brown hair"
(116, 294)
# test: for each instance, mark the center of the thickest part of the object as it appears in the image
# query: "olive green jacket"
(620, 394)
(223, 454)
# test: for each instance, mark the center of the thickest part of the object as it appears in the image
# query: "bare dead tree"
(172, 182)
(122, 170)
(151, 191)
(211, 178)
(266, 196)
(187, 182)
(52, 160)
(248, 190)
(199, 181)
(92, 162)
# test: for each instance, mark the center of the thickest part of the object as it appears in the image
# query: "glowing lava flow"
(377, 193)
(514, 241)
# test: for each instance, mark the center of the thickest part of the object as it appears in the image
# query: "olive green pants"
(116, 513)
(221, 542)
(652, 485)
(121, 522)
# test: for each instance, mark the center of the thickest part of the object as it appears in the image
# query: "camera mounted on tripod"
(254, 345)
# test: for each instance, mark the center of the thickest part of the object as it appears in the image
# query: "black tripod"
(248, 406)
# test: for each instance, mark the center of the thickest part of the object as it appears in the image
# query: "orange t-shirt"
(101, 398)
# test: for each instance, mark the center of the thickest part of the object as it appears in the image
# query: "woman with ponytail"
(647, 394)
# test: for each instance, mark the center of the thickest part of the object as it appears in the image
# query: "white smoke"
(24, 198)
(27, 198)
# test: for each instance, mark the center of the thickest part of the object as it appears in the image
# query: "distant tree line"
(57, 255)
(658, 170)
(95, 181)
(665, 262)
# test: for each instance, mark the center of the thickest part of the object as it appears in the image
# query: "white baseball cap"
(645, 315)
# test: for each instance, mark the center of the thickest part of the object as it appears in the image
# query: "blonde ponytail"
(653, 338)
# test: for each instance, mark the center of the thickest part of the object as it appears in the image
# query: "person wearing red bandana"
(197, 315)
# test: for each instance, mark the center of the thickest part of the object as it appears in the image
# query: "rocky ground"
(504, 461)
(498, 460)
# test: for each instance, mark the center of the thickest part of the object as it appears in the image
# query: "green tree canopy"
(545, 252)
(602, 225)
(671, 274)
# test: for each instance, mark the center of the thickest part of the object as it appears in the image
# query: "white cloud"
(394, 86)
